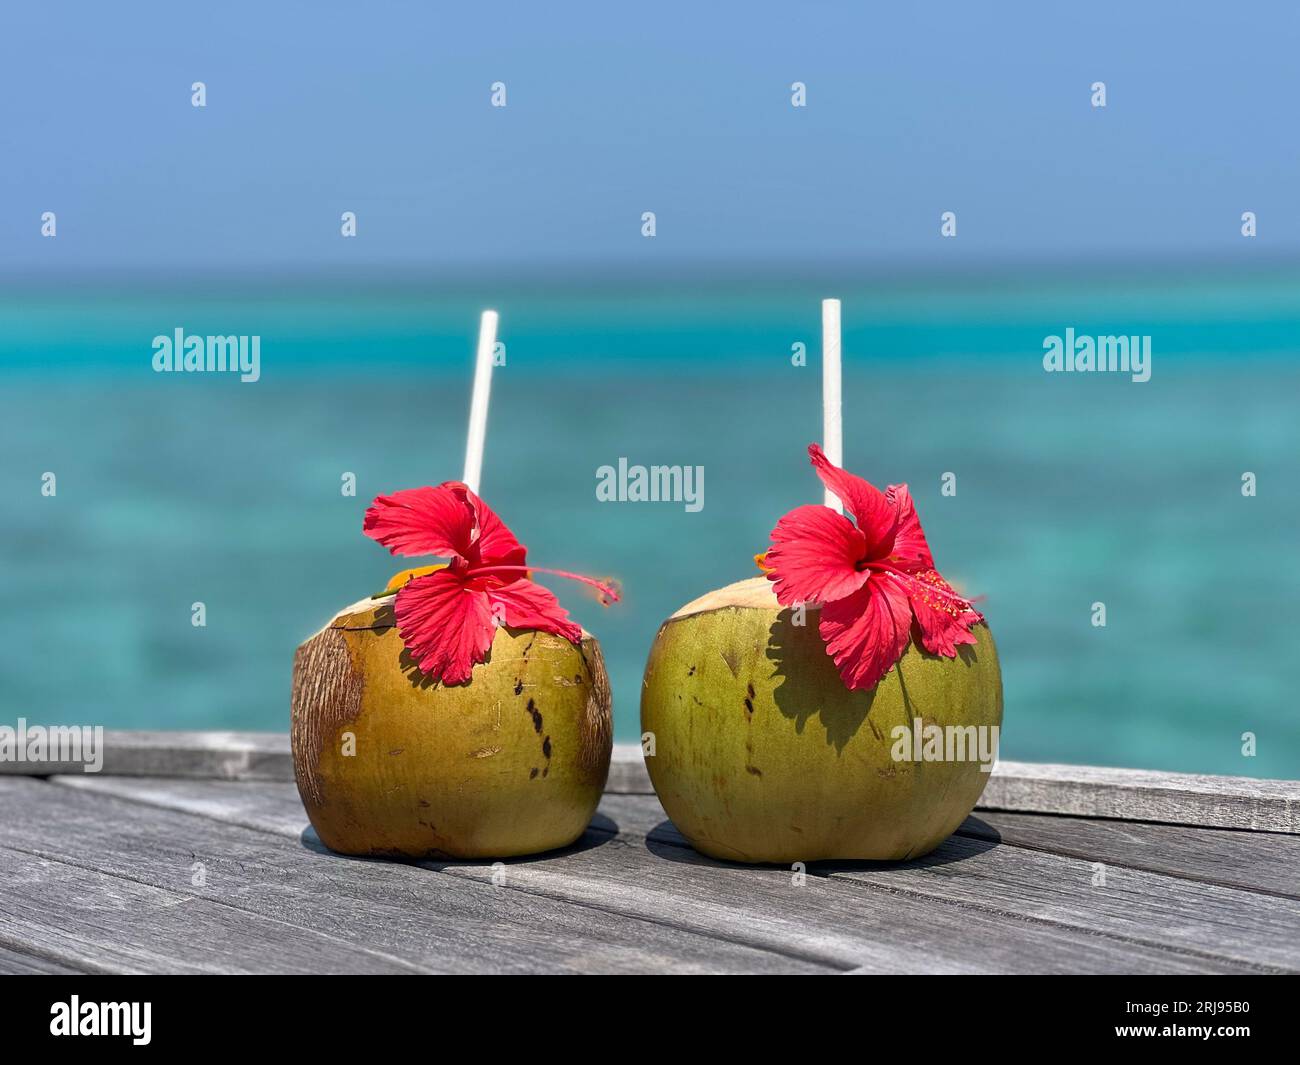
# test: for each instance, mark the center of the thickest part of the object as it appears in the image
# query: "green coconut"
(391, 763)
(761, 754)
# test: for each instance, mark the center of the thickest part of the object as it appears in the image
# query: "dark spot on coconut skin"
(424, 803)
(691, 672)
(536, 715)
(519, 686)
(577, 678)
(753, 770)
(749, 706)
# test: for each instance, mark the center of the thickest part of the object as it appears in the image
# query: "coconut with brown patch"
(390, 763)
(762, 754)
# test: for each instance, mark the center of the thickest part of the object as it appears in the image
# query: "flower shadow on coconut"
(808, 685)
(871, 596)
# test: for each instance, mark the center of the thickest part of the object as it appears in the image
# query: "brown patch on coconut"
(326, 695)
(596, 729)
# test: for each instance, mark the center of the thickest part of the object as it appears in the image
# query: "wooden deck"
(191, 853)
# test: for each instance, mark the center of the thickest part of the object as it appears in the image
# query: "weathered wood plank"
(1194, 917)
(111, 923)
(1160, 910)
(1256, 861)
(627, 772)
(1081, 791)
(264, 806)
(15, 962)
(1263, 862)
(410, 916)
(214, 755)
(1140, 795)
(649, 872)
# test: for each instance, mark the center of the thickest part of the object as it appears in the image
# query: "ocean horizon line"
(618, 275)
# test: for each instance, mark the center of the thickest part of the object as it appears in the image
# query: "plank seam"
(1172, 948)
(31, 950)
(1129, 863)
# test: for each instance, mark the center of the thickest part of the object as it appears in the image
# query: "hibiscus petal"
(814, 556)
(910, 546)
(877, 517)
(867, 632)
(422, 521)
(944, 617)
(496, 543)
(446, 624)
(526, 605)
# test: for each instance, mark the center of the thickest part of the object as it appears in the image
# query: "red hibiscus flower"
(447, 618)
(875, 580)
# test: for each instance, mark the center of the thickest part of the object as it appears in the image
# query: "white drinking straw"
(832, 417)
(478, 404)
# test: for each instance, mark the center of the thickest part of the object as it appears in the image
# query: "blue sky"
(614, 109)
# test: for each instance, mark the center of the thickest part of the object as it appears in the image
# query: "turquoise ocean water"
(1071, 489)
